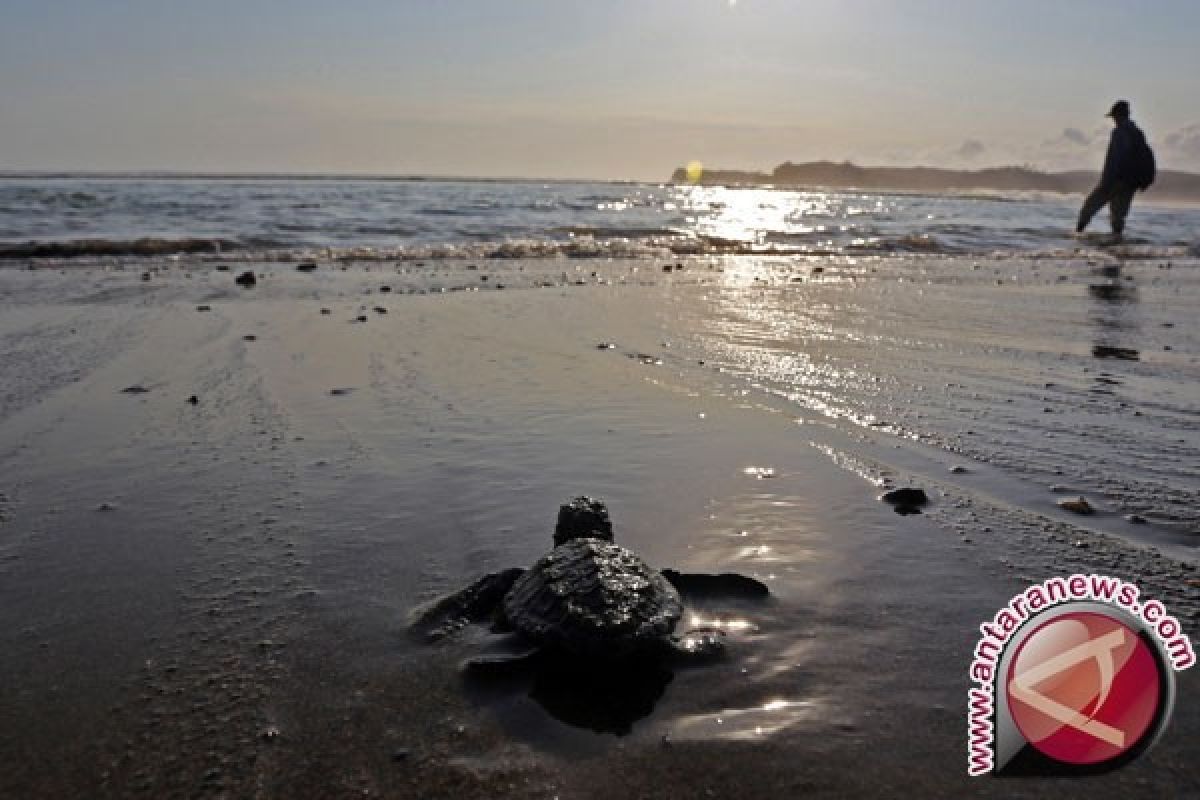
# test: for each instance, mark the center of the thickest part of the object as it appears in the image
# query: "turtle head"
(583, 518)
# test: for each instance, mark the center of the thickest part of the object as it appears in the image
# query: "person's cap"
(1119, 109)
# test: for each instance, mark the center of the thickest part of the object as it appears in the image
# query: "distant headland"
(1169, 185)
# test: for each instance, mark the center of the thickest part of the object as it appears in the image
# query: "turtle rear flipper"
(479, 602)
(513, 661)
(697, 646)
(723, 585)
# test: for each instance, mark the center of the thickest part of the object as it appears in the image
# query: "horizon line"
(174, 174)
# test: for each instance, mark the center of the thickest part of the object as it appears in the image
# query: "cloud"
(1071, 149)
(1073, 138)
(1184, 144)
(971, 149)
(1076, 136)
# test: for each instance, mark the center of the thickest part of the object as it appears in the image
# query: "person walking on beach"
(1128, 167)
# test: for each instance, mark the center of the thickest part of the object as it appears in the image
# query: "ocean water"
(281, 219)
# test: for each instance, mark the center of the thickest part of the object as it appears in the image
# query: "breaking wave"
(146, 246)
(909, 243)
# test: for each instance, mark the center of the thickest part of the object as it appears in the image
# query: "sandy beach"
(211, 598)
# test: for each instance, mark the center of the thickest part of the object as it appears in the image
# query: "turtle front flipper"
(479, 602)
(723, 585)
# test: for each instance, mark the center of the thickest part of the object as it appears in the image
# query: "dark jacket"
(1120, 163)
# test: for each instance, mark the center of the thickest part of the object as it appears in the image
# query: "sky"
(605, 89)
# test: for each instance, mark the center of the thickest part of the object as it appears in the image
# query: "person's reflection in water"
(1114, 315)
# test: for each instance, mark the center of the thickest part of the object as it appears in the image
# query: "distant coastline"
(1169, 186)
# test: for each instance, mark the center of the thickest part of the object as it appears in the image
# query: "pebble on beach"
(1079, 505)
(246, 279)
(907, 500)
(906, 496)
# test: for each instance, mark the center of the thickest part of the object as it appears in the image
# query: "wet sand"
(211, 599)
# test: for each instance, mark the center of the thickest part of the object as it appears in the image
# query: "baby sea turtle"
(590, 625)
(588, 598)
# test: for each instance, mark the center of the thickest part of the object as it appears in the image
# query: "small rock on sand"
(204, 308)
(134, 390)
(307, 266)
(246, 279)
(1079, 505)
(193, 400)
(907, 500)
(907, 496)
(341, 391)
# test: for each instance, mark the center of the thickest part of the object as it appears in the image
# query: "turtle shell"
(594, 599)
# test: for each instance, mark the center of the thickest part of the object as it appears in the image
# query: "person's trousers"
(1118, 196)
